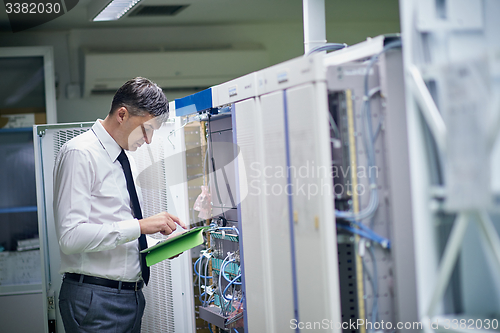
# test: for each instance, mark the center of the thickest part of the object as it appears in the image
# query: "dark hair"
(141, 96)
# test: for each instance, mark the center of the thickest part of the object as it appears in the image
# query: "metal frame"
(444, 24)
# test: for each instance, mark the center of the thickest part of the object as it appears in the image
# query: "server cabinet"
(372, 172)
(284, 132)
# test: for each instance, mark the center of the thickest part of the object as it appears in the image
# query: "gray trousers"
(89, 308)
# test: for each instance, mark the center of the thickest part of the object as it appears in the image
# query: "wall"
(283, 41)
(29, 305)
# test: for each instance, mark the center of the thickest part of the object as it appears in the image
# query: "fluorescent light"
(115, 9)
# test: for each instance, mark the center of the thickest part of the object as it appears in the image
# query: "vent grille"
(168, 10)
(150, 162)
(159, 312)
(62, 136)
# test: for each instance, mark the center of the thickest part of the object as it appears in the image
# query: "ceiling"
(217, 12)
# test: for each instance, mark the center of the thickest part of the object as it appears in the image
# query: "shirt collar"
(108, 143)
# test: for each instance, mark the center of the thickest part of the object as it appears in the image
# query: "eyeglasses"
(145, 133)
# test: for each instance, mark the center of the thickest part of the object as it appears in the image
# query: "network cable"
(238, 315)
(199, 276)
(327, 47)
(384, 242)
(368, 141)
(214, 228)
(223, 271)
(235, 318)
(376, 237)
(233, 281)
(196, 271)
(228, 228)
(366, 113)
(202, 301)
(230, 304)
(226, 306)
(206, 277)
(221, 297)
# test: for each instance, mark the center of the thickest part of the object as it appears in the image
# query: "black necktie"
(136, 209)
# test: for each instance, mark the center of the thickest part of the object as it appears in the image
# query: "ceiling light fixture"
(109, 10)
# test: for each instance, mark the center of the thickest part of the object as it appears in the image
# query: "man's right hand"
(163, 222)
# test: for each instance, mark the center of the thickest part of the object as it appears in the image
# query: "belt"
(104, 282)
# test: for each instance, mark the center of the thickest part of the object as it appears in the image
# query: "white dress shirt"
(94, 223)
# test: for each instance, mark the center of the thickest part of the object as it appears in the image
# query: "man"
(98, 220)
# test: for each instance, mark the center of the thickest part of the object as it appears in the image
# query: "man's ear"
(121, 114)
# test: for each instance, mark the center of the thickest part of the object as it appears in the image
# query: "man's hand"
(163, 222)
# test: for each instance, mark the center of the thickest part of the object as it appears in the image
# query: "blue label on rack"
(194, 103)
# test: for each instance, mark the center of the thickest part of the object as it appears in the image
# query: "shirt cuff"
(129, 230)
